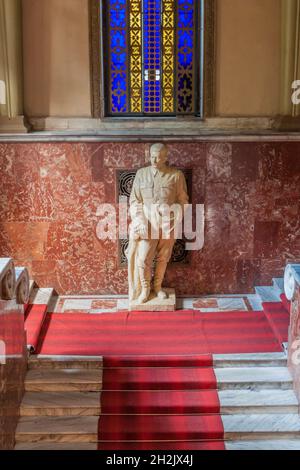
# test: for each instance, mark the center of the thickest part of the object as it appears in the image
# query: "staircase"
(61, 406)
(258, 406)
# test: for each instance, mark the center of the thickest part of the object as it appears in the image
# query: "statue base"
(154, 304)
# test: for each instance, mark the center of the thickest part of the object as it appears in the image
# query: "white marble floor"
(97, 304)
(115, 303)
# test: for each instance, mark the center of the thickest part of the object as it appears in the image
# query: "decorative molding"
(290, 54)
(239, 135)
(291, 280)
(16, 125)
(11, 60)
(287, 123)
(14, 282)
(95, 57)
(22, 286)
(5, 57)
(209, 85)
(7, 279)
(159, 126)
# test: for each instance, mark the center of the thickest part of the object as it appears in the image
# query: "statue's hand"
(141, 233)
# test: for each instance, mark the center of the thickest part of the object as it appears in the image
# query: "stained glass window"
(152, 57)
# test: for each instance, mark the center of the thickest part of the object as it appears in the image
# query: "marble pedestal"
(155, 304)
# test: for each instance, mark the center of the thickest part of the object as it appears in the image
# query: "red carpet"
(160, 428)
(34, 317)
(179, 445)
(286, 303)
(232, 332)
(159, 378)
(161, 361)
(279, 319)
(159, 387)
(157, 333)
(166, 401)
(161, 405)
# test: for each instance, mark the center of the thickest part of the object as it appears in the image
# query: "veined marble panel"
(250, 190)
(268, 294)
(41, 296)
(261, 426)
(253, 377)
(13, 361)
(258, 401)
(57, 429)
(282, 444)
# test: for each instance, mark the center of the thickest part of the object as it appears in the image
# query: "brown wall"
(56, 58)
(248, 57)
(50, 194)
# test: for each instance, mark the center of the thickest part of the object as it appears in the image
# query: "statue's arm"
(139, 223)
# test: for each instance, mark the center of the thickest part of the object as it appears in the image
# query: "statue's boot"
(145, 277)
(158, 280)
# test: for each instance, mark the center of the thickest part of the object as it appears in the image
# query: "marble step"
(278, 284)
(40, 296)
(261, 426)
(57, 429)
(253, 378)
(291, 444)
(63, 380)
(61, 404)
(56, 446)
(268, 294)
(250, 360)
(258, 401)
(65, 362)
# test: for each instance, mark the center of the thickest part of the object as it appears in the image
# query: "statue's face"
(158, 157)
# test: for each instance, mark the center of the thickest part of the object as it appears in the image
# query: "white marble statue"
(157, 201)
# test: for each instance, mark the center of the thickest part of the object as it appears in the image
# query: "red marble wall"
(50, 193)
(13, 366)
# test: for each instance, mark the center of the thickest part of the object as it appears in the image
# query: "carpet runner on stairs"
(35, 313)
(278, 315)
(160, 402)
(34, 319)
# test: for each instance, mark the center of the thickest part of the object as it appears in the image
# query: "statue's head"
(158, 155)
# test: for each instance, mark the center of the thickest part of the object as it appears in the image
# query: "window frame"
(206, 92)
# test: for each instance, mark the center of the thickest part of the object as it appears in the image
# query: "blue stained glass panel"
(186, 40)
(152, 56)
(118, 51)
(119, 58)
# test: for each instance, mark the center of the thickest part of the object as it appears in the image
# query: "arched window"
(153, 55)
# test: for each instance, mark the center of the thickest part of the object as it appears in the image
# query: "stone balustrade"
(14, 282)
(292, 292)
(14, 293)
